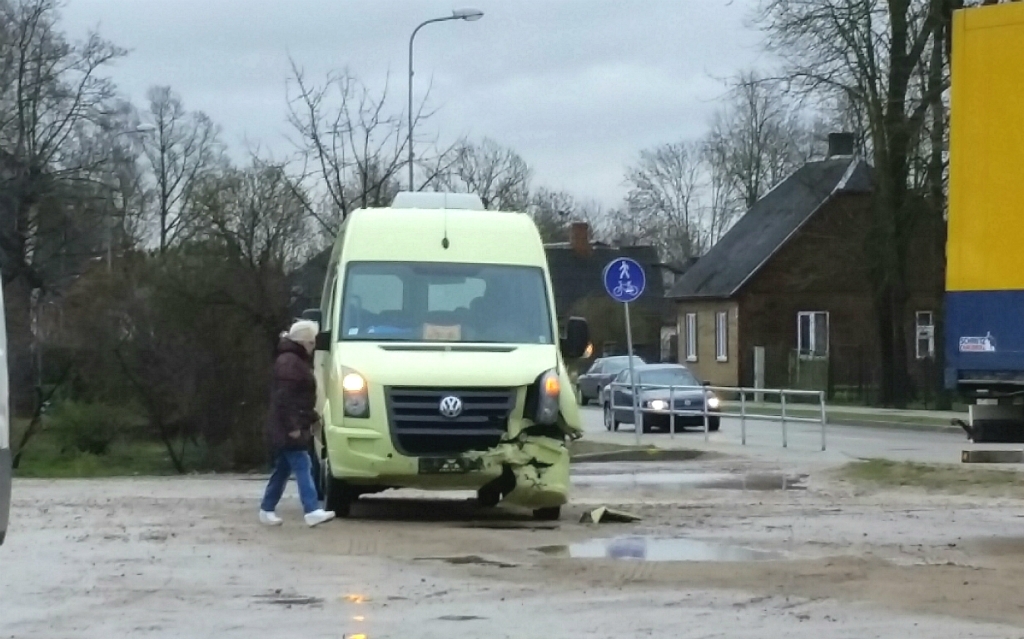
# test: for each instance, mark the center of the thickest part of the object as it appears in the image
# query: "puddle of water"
(654, 549)
(728, 481)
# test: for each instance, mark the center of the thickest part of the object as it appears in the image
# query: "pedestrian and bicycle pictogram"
(624, 279)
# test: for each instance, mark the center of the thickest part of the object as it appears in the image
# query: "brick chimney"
(840, 144)
(579, 239)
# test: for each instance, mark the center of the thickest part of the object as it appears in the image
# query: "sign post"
(625, 280)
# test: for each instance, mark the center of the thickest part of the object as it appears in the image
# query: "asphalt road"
(764, 440)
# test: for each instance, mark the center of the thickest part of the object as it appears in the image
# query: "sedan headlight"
(657, 404)
(713, 402)
(354, 393)
(549, 388)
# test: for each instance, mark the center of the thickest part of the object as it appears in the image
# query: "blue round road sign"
(624, 279)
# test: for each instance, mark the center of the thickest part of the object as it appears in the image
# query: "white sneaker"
(270, 518)
(318, 516)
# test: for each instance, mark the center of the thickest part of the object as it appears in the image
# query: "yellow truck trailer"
(985, 247)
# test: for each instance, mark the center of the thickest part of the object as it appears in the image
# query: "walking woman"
(290, 424)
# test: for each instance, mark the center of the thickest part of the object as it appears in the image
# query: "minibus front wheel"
(548, 514)
(338, 494)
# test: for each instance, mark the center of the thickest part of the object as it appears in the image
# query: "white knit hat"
(303, 332)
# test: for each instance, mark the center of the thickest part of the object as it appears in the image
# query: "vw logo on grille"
(451, 406)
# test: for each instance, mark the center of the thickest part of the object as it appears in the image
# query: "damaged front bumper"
(529, 470)
(539, 468)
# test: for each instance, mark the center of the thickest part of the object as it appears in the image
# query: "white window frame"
(924, 330)
(722, 336)
(811, 351)
(690, 344)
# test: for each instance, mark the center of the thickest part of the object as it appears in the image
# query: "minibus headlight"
(549, 389)
(354, 393)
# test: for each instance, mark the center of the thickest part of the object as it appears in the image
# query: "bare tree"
(352, 145)
(723, 204)
(256, 214)
(496, 173)
(758, 138)
(879, 57)
(211, 311)
(52, 95)
(554, 212)
(676, 202)
(664, 191)
(132, 200)
(185, 149)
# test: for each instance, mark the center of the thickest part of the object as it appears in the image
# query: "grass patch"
(43, 459)
(947, 478)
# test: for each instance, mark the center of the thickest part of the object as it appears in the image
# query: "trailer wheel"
(997, 431)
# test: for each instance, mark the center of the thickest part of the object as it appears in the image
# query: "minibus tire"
(488, 497)
(548, 514)
(338, 495)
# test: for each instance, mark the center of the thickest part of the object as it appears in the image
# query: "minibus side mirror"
(577, 338)
(323, 341)
(323, 338)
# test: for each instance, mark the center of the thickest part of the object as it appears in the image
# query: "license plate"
(442, 466)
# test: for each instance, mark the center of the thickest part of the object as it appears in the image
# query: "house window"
(925, 334)
(691, 337)
(722, 336)
(812, 334)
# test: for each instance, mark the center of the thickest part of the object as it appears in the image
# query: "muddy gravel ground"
(726, 548)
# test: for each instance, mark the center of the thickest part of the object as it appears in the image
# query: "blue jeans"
(287, 462)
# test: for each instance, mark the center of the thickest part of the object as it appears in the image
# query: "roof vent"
(840, 144)
(430, 200)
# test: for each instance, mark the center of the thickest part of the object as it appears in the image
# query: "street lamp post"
(140, 130)
(469, 15)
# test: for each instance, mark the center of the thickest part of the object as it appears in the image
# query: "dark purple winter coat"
(292, 398)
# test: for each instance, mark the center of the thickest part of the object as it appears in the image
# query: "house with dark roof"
(577, 269)
(784, 299)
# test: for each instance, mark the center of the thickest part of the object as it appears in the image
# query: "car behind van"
(440, 362)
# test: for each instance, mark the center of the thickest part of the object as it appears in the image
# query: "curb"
(888, 425)
(868, 421)
(852, 420)
(653, 454)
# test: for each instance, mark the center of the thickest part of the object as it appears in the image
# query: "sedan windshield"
(405, 301)
(669, 377)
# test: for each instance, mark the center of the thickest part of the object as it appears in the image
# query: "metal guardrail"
(818, 406)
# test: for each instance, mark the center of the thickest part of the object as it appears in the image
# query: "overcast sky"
(577, 87)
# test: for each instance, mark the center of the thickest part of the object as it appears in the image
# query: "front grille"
(419, 428)
(694, 404)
